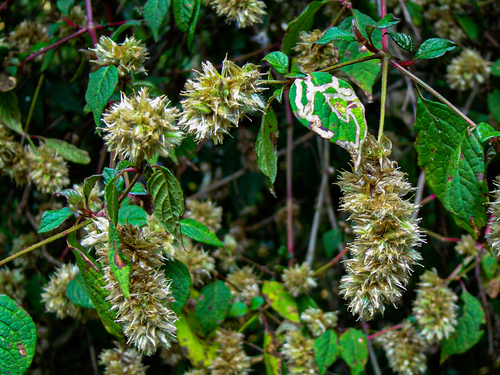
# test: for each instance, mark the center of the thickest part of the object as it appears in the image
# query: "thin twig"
(330, 264)
(373, 357)
(491, 349)
(289, 186)
(371, 337)
(90, 22)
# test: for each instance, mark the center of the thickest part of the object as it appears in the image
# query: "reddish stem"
(371, 337)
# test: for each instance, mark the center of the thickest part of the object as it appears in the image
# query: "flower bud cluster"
(405, 350)
(231, 358)
(441, 14)
(122, 360)
(217, 102)
(128, 56)
(206, 212)
(313, 57)
(299, 279)
(467, 246)
(318, 321)
(435, 308)
(298, 352)
(244, 12)
(199, 262)
(385, 231)
(246, 282)
(467, 70)
(27, 34)
(138, 127)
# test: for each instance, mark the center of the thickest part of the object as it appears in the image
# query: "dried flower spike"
(318, 321)
(138, 127)
(231, 358)
(47, 170)
(385, 231)
(244, 12)
(122, 360)
(435, 307)
(467, 70)
(298, 279)
(128, 56)
(206, 212)
(298, 352)
(217, 102)
(313, 57)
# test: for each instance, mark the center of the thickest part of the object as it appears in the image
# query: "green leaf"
(212, 305)
(155, 12)
(123, 27)
(120, 266)
(388, 21)
(10, 116)
(237, 310)
(354, 350)
(278, 94)
(453, 160)
(199, 232)
(296, 71)
(77, 293)
(108, 174)
(17, 338)
(138, 189)
(72, 196)
(402, 40)
(111, 196)
(52, 219)
(168, 198)
(467, 332)
(305, 301)
(183, 10)
(88, 186)
(278, 61)
(176, 271)
(331, 241)
(468, 25)
(192, 24)
(95, 284)
(256, 303)
(495, 68)
(303, 22)
(267, 144)
(68, 151)
(434, 47)
(281, 300)
(335, 33)
(153, 89)
(102, 84)
(272, 357)
(326, 350)
(489, 266)
(65, 6)
(329, 107)
(486, 132)
(199, 352)
(363, 74)
(493, 107)
(134, 215)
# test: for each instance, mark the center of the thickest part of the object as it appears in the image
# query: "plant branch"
(90, 22)
(331, 263)
(32, 109)
(352, 62)
(289, 186)
(383, 98)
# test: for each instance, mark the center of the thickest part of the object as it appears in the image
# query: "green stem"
(274, 82)
(415, 79)
(331, 263)
(385, 66)
(32, 109)
(461, 269)
(248, 322)
(352, 62)
(46, 241)
(129, 187)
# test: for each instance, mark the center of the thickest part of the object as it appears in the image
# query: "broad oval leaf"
(354, 350)
(434, 47)
(176, 271)
(10, 116)
(402, 40)
(199, 232)
(278, 61)
(102, 84)
(281, 300)
(68, 151)
(212, 305)
(155, 12)
(77, 293)
(183, 10)
(72, 196)
(329, 107)
(52, 219)
(335, 33)
(326, 350)
(17, 338)
(267, 144)
(453, 160)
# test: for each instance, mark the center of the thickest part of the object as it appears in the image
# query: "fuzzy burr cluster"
(405, 350)
(128, 56)
(385, 229)
(467, 246)
(244, 12)
(27, 34)
(494, 235)
(435, 308)
(216, 102)
(146, 317)
(231, 358)
(299, 279)
(122, 360)
(313, 57)
(467, 70)
(139, 127)
(199, 262)
(206, 212)
(47, 170)
(246, 281)
(318, 321)
(298, 351)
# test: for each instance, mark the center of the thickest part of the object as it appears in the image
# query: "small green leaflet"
(17, 338)
(68, 151)
(183, 10)
(335, 33)
(72, 196)
(388, 21)
(329, 107)
(354, 350)
(237, 310)
(10, 116)
(467, 332)
(155, 12)
(453, 160)
(88, 185)
(402, 40)
(256, 303)
(278, 61)
(176, 271)
(65, 6)
(485, 132)
(77, 293)
(102, 84)
(199, 232)
(281, 300)
(434, 47)
(213, 305)
(272, 357)
(267, 144)
(495, 68)
(331, 241)
(120, 266)
(52, 219)
(326, 350)
(124, 27)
